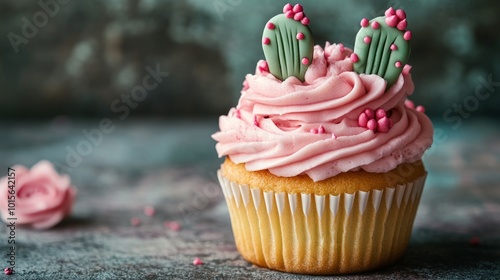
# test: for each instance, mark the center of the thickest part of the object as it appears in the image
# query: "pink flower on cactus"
(39, 198)
(396, 18)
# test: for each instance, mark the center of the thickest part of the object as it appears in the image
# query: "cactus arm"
(382, 46)
(288, 44)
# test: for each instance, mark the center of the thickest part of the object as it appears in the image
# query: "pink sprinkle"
(289, 14)
(287, 7)
(341, 47)
(420, 109)
(305, 21)
(255, 121)
(407, 35)
(402, 25)
(406, 69)
(263, 66)
(266, 41)
(409, 104)
(271, 25)
(314, 130)
(321, 129)
(300, 36)
(354, 58)
(246, 85)
(372, 125)
(173, 225)
(398, 64)
(135, 221)
(367, 39)
(334, 136)
(149, 211)
(197, 261)
(238, 113)
(380, 113)
(362, 120)
(474, 241)
(375, 25)
(369, 113)
(401, 14)
(364, 22)
(8, 271)
(305, 61)
(392, 21)
(298, 16)
(297, 8)
(394, 47)
(390, 12)
(383, 124)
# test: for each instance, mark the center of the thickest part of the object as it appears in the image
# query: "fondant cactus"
(382, 46)
(288, 43)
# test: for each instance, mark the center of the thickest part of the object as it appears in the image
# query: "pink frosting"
(332, 97)
(42, 199)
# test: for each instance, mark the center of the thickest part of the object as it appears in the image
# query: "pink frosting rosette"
(42, 196)
(292, 128)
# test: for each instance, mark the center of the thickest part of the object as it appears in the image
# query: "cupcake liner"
(322, 234)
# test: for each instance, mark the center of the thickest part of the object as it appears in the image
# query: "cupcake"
(323, 170)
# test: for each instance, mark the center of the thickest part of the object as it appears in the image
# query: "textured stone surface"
(91, 52)
(171, 166)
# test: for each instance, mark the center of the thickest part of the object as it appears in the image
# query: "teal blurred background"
(83, 58)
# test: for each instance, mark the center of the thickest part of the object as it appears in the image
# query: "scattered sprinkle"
(197, 261)
(298, 16)
(298, 8)
(474, 241)
(263, 66)
(390, 12)
(364, 22)
(406, 69)
(135, 221)
(8, 271)
(407, 35)
(149, 211)
(321, 129)
(409, 104)
(172, 225)
(354, 58)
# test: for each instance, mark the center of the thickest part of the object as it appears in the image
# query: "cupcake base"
(322, 234)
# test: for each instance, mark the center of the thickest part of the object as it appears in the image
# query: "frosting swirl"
(271, 127)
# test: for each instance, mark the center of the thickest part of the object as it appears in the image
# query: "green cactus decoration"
(382, 46)
(288, 43)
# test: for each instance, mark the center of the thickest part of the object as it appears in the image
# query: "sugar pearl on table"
(149, 211)
(197, 261)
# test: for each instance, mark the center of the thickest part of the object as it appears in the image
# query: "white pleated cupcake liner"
(322, 234)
